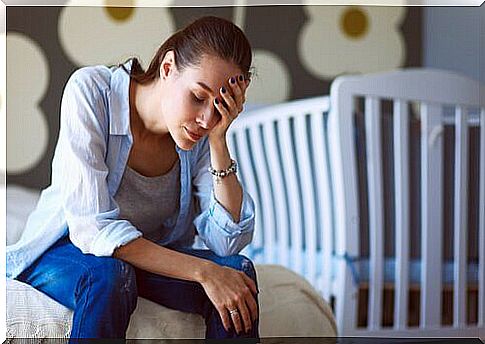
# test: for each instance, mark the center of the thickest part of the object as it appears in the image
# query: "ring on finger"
(234, 311)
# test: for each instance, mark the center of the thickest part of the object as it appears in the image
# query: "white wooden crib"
(319, 194)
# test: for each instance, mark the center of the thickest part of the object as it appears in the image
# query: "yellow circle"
(354, 22)
(120, 13)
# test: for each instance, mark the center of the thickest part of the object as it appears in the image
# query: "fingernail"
(233, 80)
(223, 89)
(216, 101)
(240, 78)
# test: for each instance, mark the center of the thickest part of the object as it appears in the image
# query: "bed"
(289, 305)
(375, 194)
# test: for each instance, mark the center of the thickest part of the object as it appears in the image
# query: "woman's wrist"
(220, 158)
(217, 142)
(203, 271)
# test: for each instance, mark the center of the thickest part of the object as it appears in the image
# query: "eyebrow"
(205, 87)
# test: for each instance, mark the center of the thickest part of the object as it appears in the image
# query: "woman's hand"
(230, 289)
(230, 106)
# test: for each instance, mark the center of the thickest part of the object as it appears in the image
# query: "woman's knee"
(114, 278)
(244, 264)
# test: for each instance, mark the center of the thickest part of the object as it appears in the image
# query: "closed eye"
(197, 99)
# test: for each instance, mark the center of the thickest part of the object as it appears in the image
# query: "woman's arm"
(217, 213)
(226, 220)
(226, 288)
(228, 190)
(90, 211)
(148, 256)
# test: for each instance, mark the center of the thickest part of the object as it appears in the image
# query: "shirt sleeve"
(214, 224)
(91, 213)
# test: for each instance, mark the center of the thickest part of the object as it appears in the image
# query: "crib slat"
(289, 168)
(324, 212)
(376, 216)
(276, 173)
(309, 213)
(481, 227)
(401, 172)
(460, 217)
(247, 170)
(266, 211)
(431, 213)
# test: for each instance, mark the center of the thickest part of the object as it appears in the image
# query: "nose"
(206, 118)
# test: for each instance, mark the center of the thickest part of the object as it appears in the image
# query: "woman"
(132, 183)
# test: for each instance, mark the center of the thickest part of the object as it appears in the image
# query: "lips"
(193, 136)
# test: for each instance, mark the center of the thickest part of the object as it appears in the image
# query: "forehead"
(213, 71)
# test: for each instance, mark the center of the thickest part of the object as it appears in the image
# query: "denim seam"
(89, 283)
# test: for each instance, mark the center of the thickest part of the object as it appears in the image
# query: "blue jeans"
(103, 291)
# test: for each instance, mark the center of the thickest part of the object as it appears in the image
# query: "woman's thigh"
(63, 270)
(184, 295)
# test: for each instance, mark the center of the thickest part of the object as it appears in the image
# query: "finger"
(252, 306)
(231, 103)
(244, 86)
(239, 110)
(222, 109)
(226, 320)
(245, 315)
(250, 283)
(243, 83)
(236, 83)
(236, 320)
(246, 83)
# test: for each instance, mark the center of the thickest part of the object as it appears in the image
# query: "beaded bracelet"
(219, 174)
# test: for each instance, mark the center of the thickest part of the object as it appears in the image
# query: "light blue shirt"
(89, 160)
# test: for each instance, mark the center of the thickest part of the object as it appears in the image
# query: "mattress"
(289, 305)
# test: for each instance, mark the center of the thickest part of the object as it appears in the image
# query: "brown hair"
(205, 36)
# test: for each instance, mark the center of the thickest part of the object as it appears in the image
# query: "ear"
(167, 67)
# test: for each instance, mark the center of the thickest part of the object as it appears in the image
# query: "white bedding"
(289, 305)
(20, 203)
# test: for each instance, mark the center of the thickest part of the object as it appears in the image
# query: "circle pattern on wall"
(27, 75)
(354, 22)
(118, 13)
(3, 113)
(272, 81)
(342, 39)
(115, 30)
(113, 34)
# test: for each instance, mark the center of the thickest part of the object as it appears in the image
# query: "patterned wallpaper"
(298, 51)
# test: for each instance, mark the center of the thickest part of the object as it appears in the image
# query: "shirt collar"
(119, 111)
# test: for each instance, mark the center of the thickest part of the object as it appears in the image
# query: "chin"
(185, 144)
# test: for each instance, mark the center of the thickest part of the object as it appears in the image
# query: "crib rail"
(432, 91)
(318, 171)
(283, 159)
(481, 226)
(401, 161)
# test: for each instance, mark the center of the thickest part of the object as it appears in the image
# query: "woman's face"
(187, 100)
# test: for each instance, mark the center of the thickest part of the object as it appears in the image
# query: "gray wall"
(270, 29)
(454, 39)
